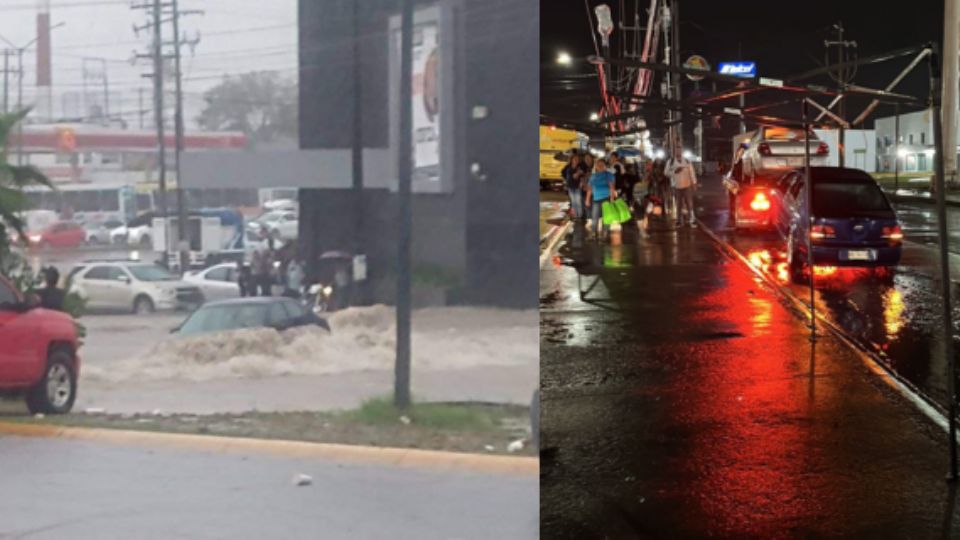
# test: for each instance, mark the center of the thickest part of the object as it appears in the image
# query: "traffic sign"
(696, 62)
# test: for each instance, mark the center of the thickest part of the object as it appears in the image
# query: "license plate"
(861, 255)
(795, 161)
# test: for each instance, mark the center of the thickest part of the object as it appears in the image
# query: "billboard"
(738, 69)
(432, 97)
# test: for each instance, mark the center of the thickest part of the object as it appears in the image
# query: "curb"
(920, 200)
(558, 232)
(392, 457)
(904, 388)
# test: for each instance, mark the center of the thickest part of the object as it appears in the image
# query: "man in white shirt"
(683, 179)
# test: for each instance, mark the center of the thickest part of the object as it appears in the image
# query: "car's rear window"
(226, 317)
(845, 199)
(785, 134)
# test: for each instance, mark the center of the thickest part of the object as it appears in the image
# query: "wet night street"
(682, 397)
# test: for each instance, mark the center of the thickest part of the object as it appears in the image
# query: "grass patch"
(889, 182)
(456, 417)
(457, 427)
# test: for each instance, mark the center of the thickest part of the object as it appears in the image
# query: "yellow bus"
(554, 140)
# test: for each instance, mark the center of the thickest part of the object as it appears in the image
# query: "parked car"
(99, 233)
(754, 203)
(137, 232)
(39, 357)
(281, 225)
(774, 150)
(218, 282)
(254, 312)
(853, 223)
(282, 205)
(63, 234)
(130, 285)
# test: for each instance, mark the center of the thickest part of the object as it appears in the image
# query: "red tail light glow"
(764, 149)
(894, 234)
(823, 149)
(820, 232)
(760, 203)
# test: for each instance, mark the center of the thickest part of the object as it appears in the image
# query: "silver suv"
(136, 286)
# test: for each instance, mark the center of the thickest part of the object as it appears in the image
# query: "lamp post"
(20, 51)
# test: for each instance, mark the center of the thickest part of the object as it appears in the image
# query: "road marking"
(894, 381)
(391, 457)
(559, 232)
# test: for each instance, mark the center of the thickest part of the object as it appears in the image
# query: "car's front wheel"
(57, 390)
(143, 305)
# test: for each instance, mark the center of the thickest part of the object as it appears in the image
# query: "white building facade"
(915, 150)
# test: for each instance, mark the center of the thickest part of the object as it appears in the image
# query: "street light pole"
(20, 105)
(896, 154)
(401, 391)
(951, 74)
(938, 143)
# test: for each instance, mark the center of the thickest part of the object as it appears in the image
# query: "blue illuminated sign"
(738, 69)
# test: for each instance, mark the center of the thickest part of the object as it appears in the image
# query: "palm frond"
(12, 202)
(8, 122)
(22, 176)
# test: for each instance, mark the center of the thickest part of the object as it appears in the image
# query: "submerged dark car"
(279, 313)
(853, 222)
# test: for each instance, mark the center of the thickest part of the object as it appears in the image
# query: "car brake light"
(760, 203)
(764, 149)
(823, 149)
(894, 234)
(820, 232)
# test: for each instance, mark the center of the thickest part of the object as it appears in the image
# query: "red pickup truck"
(38, 353)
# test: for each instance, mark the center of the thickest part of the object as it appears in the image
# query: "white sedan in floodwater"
(219, 282)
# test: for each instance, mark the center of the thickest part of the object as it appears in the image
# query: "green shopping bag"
(610, 213)
(622, 210)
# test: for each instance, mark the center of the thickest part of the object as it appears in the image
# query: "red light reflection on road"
(748, 453)
(893, 308)
(824, 271)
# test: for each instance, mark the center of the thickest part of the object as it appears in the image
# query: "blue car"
(853, 222)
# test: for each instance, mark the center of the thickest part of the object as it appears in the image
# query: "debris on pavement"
(302, 480)
(405, 420)
(515, 446)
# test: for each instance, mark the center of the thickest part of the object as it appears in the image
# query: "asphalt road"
(681, 398)
(897, 317)
(54, 489)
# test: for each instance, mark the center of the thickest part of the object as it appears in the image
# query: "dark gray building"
(476, 88)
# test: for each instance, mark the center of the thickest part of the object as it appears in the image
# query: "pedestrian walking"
(600, 189)
(245, 280)
(573, 176)
(262, 266)
(294, 279)
(617, 167)
(683, 179)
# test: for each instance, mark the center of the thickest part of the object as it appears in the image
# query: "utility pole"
(178, 128)
(357, 150)
(401, 390)
(843, 76)
(157, 57)
(6, 81)
(678, 91)
(20, 105)
(951, 75)
(140, 110)
(743, 96)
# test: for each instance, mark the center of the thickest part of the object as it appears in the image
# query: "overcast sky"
(236, 36)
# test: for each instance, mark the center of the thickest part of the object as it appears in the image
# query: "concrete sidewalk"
(681, 398)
